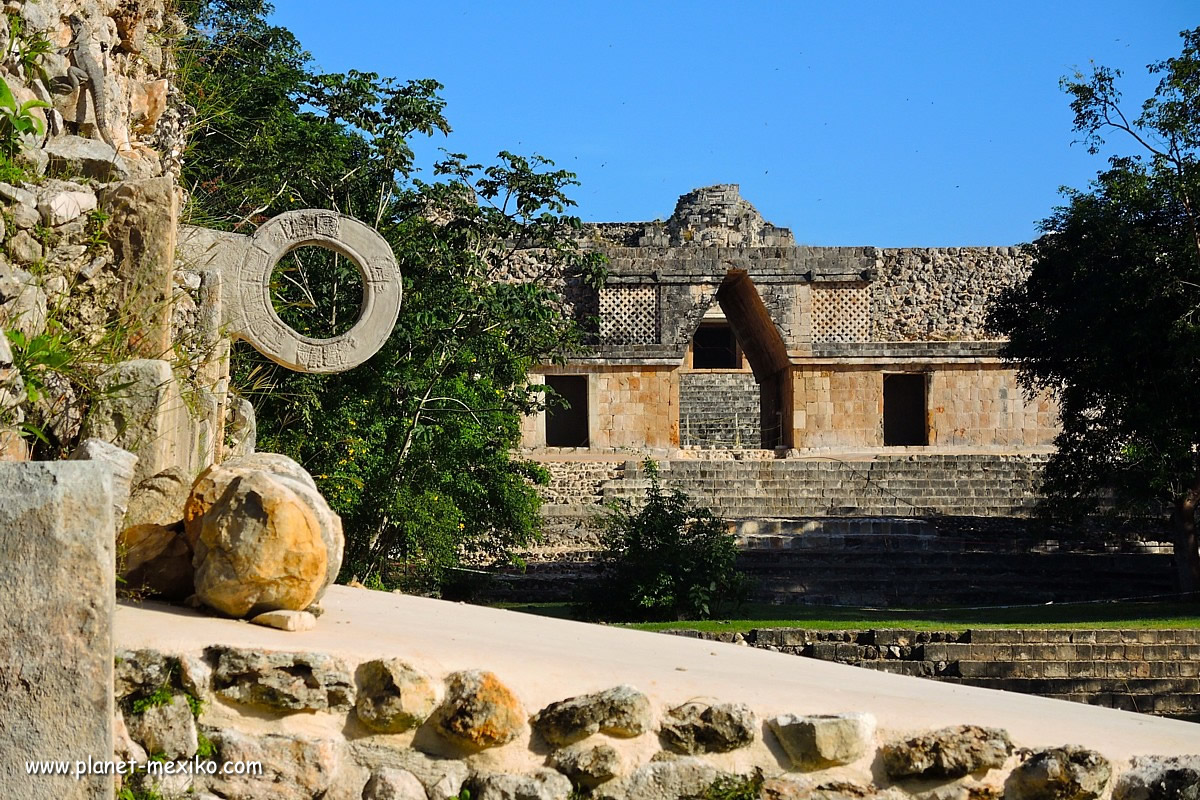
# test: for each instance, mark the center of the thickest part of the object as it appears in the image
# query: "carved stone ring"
(256, 321)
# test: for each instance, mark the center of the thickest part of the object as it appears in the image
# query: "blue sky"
(872, 123)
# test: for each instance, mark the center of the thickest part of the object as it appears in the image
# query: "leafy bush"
(667, 559)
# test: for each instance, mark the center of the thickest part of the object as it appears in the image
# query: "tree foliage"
(666, 559)
(414, 448)
(1109, 318)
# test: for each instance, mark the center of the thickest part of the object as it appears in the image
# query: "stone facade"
(819, 331)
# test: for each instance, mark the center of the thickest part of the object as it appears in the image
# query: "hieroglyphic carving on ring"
(253, 316)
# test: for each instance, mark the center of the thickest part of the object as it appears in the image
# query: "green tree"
(1109, 319)
(413, 449)
(666, 559)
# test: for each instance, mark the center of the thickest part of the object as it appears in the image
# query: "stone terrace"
(1150, 671)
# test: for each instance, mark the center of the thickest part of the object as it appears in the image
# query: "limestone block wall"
(837, 408)
(908, 484)
(630, 408)
(940, 293)
(977, 405)
(89, 232)
(984, 405)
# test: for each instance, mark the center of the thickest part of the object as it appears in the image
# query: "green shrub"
(667, 559)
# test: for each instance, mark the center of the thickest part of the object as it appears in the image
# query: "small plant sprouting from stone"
(97, 231)
(159, 697)
(17, 120)
(27, 51)
(131, 792)
(205, 749)
(736, 787)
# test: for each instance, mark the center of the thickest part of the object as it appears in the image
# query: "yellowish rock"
(258, 545)
(156, 559)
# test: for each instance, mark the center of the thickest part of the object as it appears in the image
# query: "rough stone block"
(56, 651)
(816, 742)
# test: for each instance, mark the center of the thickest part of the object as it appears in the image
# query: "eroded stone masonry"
(718, 331)
(836, 398)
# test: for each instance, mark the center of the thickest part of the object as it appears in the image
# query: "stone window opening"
(904, 410)
(567, 413)
(715, 346)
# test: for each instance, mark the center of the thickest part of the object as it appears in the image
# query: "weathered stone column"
(56, 613)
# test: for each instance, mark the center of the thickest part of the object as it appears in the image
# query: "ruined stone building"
(718, 331)
(824, 401)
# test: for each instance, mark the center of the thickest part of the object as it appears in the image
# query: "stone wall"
(89, 230)
(630, 408)
(1147, 671)
(719, 409)
(940, 293)
(891, 530)
(384, 717)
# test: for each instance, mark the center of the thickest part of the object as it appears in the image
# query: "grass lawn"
(1064, 615)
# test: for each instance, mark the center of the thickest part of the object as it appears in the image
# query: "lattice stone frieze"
(841, 312)
(629, 315)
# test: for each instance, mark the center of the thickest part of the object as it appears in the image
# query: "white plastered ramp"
(544, 660)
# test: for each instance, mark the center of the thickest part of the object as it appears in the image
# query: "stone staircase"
(847, 533)
(1149, 671)
(906, 485)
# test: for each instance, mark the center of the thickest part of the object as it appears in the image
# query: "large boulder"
(211, 488)
(257, 543)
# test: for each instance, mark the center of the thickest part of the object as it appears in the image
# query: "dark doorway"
(904, 411)
(715, 347)
(567, 426)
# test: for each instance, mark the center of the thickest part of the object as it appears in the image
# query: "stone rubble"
(694, 728)
(393, 747)
(815, 742)
(621, 711)
(479, 711)
(947, 753)
(286, 682)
